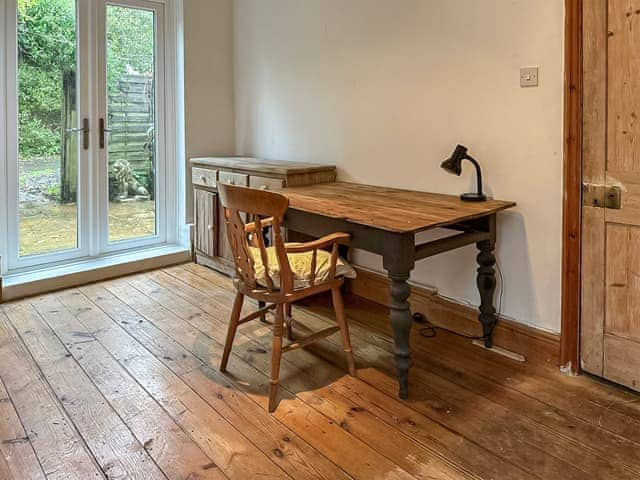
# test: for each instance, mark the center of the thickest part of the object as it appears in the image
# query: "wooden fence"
(131, 120)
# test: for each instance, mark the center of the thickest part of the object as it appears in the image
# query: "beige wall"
(386, 88)
(208, 80)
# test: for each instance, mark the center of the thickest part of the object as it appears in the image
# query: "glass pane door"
(131, 121)
(85, 154)
(49, 130)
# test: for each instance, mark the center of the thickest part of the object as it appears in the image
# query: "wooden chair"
(266, 275)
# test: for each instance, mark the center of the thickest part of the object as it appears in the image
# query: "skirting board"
(537, 346)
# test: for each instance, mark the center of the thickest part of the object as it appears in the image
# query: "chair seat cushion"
(300, 266)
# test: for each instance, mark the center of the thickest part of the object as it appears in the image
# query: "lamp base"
(473, 197)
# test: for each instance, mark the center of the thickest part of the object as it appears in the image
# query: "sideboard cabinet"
(209, 239)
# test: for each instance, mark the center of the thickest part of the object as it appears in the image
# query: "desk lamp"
(453, 165)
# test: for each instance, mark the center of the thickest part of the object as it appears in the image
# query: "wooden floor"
(119, 380)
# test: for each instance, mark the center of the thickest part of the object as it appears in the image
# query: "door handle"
(103, 131)
(85, 132)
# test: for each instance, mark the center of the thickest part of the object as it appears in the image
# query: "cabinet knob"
(203, 178)
(209, 227)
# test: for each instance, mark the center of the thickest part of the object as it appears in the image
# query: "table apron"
(382, 242)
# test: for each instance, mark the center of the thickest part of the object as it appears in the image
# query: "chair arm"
(265, 222)
(332, 239)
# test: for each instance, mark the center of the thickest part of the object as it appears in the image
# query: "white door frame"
(171, 228)
(161, 154)
(4, 97)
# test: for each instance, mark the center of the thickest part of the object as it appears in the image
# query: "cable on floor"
(430, 330)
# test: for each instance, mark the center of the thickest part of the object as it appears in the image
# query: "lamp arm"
(478, 173)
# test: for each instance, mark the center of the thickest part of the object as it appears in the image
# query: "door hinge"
(601, 196)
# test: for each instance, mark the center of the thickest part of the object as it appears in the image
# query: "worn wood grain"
(491, 443)
(147, 344)
(17, 458)
(163, 439)
(570, 405)
(530, 433)
(307, 423)
(474, 374)
(572, 186)
(117, 451)
(610, 248)
(419, 462)
(159, 374)
(622, 361)
(391, 209)
(578, 432)
(61, 451)
(262, 166)
(206, 220)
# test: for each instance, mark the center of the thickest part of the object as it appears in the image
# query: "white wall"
(208, 72)
(384, 89)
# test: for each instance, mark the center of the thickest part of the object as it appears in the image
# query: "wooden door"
(610, 331)
(206, 212)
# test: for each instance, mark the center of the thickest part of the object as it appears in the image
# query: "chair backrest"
(247, 212)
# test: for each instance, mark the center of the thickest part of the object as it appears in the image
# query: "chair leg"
(288, 317)
(341, 319)
(231, 332)
(276, 354)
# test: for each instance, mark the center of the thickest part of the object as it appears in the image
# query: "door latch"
(601, 196)
(103, 131)
(85, 132)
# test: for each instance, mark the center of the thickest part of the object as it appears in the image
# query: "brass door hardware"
(85, 132)
(601, 196)
(103, 132)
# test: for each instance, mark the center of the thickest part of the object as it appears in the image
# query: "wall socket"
(528, 76)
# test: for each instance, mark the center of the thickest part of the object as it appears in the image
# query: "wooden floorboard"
(60, 449)
(523, 441)
(18, 460)
(170, 446)
(315, 430)
(120, 380)
(117, 451)
(493, 378)
(250, 352)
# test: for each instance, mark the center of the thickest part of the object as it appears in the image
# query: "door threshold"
(36, 282)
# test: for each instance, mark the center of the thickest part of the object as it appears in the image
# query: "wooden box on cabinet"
(210, 242)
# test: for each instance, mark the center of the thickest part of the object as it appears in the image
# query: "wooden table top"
(391, 209)
(251, 164)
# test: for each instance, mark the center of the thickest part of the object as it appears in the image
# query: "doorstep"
(35, 282)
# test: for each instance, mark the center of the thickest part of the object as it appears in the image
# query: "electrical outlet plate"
(529, 76)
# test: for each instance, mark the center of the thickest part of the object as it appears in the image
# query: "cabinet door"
(206, 207)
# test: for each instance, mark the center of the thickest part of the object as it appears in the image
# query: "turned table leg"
(400, 316)
(486, 286)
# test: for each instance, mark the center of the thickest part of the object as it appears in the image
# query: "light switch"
(528, 76)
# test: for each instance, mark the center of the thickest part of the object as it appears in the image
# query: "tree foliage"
(130, 43)
(46, 50)
(47, 53)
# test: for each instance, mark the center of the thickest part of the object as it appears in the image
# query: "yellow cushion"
(300, 266)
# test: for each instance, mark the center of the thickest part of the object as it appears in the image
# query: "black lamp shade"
(453, 164)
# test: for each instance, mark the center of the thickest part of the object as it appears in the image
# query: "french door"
(86, 152)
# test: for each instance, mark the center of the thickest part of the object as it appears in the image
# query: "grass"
(53, 227)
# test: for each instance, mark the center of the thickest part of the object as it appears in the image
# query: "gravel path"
(38, 176)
